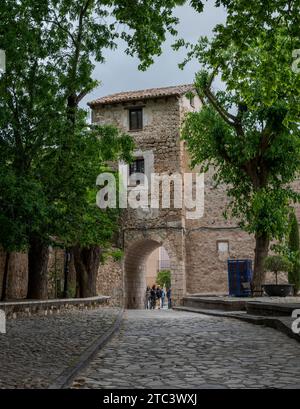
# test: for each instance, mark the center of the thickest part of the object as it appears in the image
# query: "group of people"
(155, 298)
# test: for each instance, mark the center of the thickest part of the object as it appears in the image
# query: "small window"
(135, 119)
(223, 247)
(138, 166)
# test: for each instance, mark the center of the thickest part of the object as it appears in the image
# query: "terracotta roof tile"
(142, 94)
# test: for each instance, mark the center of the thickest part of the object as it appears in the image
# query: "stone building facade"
(199, 247)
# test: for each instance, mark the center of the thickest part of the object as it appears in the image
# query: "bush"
(163, 278)
(294, 249)
(117, 255)
(277, 264)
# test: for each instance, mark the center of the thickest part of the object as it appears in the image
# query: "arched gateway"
(138, 247)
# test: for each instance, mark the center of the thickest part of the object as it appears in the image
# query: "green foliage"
(259, 197)
(118, 254)
(78, 219)
(249, 131)
(277, 264)
(294, 241)
(163, 278)
(22, 208)
(262, 35)
(294, 249)
(248, 140)
(51, 158)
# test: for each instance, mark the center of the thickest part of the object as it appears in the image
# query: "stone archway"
(135, 277)
(138, 247)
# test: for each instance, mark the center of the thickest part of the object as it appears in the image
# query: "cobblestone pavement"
(168, 349)
(36, 350)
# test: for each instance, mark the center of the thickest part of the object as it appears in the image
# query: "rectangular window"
(223, 246)
(138, 166)
(135, 119)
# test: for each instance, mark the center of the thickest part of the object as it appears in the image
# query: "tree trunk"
(81, 272)
(261, 252)
(66, 273)
(86, 262)
(5, 277)
(38, 257)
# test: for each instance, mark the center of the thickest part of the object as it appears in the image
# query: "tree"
(164, 278)
(248, 138)
(270, 25)
(294, 250)
(29, 101)
(256, 120)
(19, 198)
(277, 264)
(90, 230)
(50, 46)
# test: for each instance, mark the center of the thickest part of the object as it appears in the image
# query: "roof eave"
(94, 104)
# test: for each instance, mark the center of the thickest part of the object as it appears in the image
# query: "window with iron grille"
(135, 119)
(138, 166)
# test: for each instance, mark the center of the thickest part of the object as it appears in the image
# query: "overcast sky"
(120, 72)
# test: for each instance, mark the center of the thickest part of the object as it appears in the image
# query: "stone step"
(253, 306)
(282, 324)
(214, 313)
(271, 309)
(215, 303)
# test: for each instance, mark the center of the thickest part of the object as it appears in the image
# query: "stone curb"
(64, 380)
(59, 301)
(15, 309)
(271, 322)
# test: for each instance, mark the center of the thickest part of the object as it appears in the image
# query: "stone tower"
(198, 247)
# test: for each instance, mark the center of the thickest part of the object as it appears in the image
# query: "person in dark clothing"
(153, 298)
(162, 298)
(169, 296)
(158, 296)
(147, 298)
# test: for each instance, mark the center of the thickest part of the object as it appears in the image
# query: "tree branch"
(81, 95)
(228, 118)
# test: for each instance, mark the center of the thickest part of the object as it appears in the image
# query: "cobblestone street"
(168, 349)
(36, 350)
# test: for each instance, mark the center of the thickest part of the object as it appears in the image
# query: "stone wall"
(110, 281)
(152, 267)
(27, 308)
(161, 137)
(212, 240)
(206, 265)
